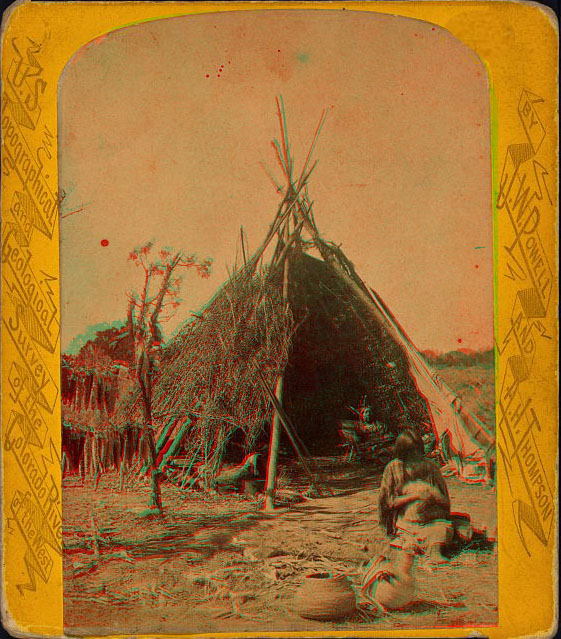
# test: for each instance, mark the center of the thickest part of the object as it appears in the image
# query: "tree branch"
(143, 309)
(170, 267)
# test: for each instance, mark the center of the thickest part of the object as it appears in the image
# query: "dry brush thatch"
(207, 373)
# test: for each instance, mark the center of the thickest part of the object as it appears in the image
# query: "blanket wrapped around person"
(414, 504)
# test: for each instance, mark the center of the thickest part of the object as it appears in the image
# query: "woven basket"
(324, 597)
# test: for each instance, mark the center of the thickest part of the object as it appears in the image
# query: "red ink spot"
(478, 124)
(477, 266)
(229, 62)
(207, 75)
(415, 34)
(278, 50)
(104, 242)
(459, 340)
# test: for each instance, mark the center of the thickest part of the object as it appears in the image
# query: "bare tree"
(156, 303)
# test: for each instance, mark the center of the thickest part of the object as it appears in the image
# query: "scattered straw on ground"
(217, 563)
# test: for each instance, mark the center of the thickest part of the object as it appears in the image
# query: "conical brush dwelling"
(287, 344)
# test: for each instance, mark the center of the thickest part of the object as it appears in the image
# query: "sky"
(164, 126)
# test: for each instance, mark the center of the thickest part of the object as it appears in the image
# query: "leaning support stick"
(289, 431)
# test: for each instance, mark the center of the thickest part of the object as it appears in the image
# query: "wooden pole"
(293, 436)
(176, 443)
(243, 245)
(123, 462)
(274, 444)
(273, 451)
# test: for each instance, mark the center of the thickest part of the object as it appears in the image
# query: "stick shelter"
(290, 341)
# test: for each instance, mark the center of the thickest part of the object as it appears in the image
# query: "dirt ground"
(219, 563)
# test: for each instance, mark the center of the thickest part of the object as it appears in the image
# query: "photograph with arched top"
(277, 328)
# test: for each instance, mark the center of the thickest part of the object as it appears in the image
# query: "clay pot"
(324, 597)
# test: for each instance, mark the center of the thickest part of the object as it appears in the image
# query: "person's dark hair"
(409, 446)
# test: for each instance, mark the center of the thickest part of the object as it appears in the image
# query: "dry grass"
(217, 563)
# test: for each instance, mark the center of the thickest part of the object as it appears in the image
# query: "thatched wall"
(331, 350)
(208, 370)
(339, 355)
(89, 396)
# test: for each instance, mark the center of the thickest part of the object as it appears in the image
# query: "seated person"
(414, 504)
(374, 425)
